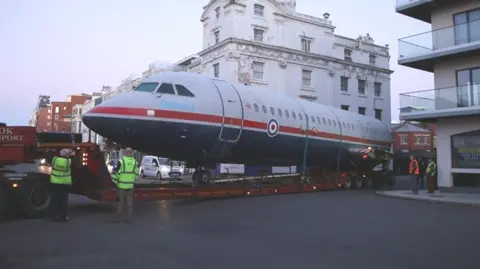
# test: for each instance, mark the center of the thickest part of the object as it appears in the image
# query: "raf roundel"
(272, 128)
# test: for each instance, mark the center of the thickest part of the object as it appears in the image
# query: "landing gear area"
(202, 176)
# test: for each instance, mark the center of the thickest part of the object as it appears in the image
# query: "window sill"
(307, 88)
(345, 93)
(259, 81)
(362, 96)
(378, 97)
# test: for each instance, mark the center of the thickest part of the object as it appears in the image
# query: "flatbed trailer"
(24, 177)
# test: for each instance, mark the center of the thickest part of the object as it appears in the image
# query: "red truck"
(25, 157)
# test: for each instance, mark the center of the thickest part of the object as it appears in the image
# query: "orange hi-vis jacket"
(410, 168)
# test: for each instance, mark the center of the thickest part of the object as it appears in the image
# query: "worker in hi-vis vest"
(60, 182)
(431, 170)
(124, 176)
(413, 173)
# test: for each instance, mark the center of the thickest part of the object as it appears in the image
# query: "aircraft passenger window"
(279, 112)
(318, 120)
(334, 123)
(182, 91)
(287, 114)
(166, 88)
(307, 118)
(272, 111)
(313, 119)
(344, 125)
(264, 109)
(146, 87)
(255, 106)
(300, 116)
(329, 122)
(324, 121)
(294, 116)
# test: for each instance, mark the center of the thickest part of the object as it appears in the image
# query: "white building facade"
(267, 43)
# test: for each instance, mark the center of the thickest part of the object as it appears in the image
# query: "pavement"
(459, 196)
(330, 230)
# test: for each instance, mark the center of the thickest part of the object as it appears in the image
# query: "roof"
(408, 127)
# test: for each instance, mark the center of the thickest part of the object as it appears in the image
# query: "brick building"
(61, 112)
(410, 137)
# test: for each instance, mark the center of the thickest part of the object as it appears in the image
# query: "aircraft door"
(232, 111)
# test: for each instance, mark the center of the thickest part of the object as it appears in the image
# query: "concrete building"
(451, 51)
(41, 118)
(89, 104)
(268, 43)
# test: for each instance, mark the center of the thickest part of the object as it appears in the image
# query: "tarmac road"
(330, 230)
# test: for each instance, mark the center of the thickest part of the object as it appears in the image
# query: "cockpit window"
(146, 87)
(182, 91)
(166, 88)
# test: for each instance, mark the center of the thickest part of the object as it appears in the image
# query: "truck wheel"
(142, 174)
(35, 198)
(159, 176)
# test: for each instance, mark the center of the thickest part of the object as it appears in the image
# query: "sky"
(61, 47)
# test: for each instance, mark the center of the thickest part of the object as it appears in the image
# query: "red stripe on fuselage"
(189, 116)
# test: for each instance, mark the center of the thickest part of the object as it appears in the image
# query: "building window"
(258, 35)
(306, 44)
(217, 12)
(57, 109)
(466, 26)
(258, 70)
(361, 86)
(372, 59)
(306, 78)
(217, 36)
(57, 117)
(362, 110)
(378, 114)
(426, 140)
(378, 89)
(417, 140)
(216, 70)
(344, 84)
(344, 107)
(403, 139)
(348, 54)
(258, 10)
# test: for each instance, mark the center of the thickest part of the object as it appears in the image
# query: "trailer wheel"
(35, 198)
(358, 183)
(368, 183)
(348, 183)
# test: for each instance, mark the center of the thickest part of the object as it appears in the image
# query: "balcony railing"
(401, 3)
(439, 99)
(438, 40)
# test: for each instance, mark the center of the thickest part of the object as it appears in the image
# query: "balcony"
(422, 50)
(439, 103)
(417, 9)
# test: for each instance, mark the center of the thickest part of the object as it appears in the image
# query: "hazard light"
(365, 156)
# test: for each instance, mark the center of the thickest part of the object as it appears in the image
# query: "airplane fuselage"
(216, 121)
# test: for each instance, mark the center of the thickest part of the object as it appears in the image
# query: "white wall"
(445, 129)
(283, 58)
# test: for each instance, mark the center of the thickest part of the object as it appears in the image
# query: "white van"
(160, 168)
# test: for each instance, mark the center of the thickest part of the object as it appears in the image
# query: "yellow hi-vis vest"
(61, 171)
(127, 175)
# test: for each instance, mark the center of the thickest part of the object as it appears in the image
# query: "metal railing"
(426, 43)
(438, 99)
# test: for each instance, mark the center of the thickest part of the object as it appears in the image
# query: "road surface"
(337, 229)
